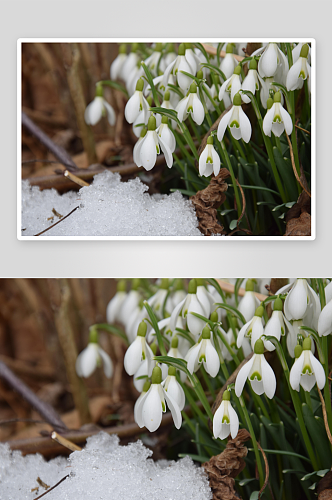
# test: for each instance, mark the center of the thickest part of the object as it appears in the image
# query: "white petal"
(228, 64)
(142, 370)
(268, 378)
(223, 125)
(184, 81)
(292, 80)
(212, 363)
(325, 320)
(248, 305)
(195, 325)
(268, 120)
(318, 371)
(132, 108)
(268, 63)
(245, 126)
(216, 162)
(87, 360)
(168, 137)
(175, 410)
(138, 409)
(249, 83)
(133, 356)
(168, 72)
(257, 330)
(242, 376)
(242, 334)
(137, 152)
(307, 382)
(296, 301)
(223, 89)
(203, 299)
(182, 109)
(175, 315)
(236, 86)
(295, 373)
(107, 362)
(152, 409)
(148, 152)
(192, 357)
(167, 152)
(217, 420)
(93, 112)
(198, 110)
(175, 391)
(202, 161)
(234, 421)
(114, 306)
(287, 120)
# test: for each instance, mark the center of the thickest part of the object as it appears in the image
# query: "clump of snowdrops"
(209, 106)
(263, 358)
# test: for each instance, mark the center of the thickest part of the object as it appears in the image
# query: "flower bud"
(156, 375)
(152, 123)
(93, 335)
(253, 64)
(237, 101)
(250, 285)
(277, 306)
(164, 120)
(135, 284)
(307, 344)
(277, 97)
(214, 316)
(304, 51)
(182, 49)
(167, 95)
(298, 351)
(269, 103)
(192, 287)
(210, 140)
(141, 331)
(171, 371)
(206, 333)
(259, 311)
(259, 347)
(229, 48)
(237, 70)
(175, 342)
(140, 85)
(146, 386)
(193, 88)
(226, 395)
(122, 48)
(121, 286)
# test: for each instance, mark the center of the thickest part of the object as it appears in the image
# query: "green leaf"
(156, 328)
(150, 80)
(114, 85)
(254, 495)
(112, 329)
(320, 473)
(233, 224)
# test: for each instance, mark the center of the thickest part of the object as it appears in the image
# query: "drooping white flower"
(114, 306)
(152, 405)
(192, 58)
(229, 63)
(249, 302)
(173, 388)
(117, 64)
(142, 119)
(277, 119)
(209, 161)
(167, 105)
(133, 78)
(295, 329)
(157, 300)
(191, 105)
(203, 352)
(237, 121)
(138, 351)
(130, 63)
(301, 302)
(325, 320)
(225, 420)
(152, 61)
(130, 302)
(272, 62)
(232, 85)
(91, 357)
(174, 352)
(205, 297)
(306, 370)
(138, 314)
(177, 66)
(268, 90)
(147, 149)
(328, 292)
(300, 71)
(277, 325)
(251, 81)
(297, 51)
(258, 371)
(137, 103)
(253, 329)
(144, 390)
(170, 55)
(166, 135)
(142, 374)
(98, 108)
(187, 306)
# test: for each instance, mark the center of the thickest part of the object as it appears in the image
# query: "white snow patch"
(108, 207)
(103, 470)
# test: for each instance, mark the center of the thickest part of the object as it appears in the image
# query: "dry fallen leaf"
(223, 468)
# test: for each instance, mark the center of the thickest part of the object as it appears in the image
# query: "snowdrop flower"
(165, 133)
(178, 294)
(268, 90)
(205, 297)
(137, 103)
(173, 388)
(174, 352)
(300, 71)
(167, 105)
(237, 121)
(259, 373)
(233, 85)
(253, 329)
(191, 105)
(91, 358)
(192, 58)
(225, 420)
(187, 306)
(152, 405)
(229, 63)
(251, 81)
(177, 66)
(114, 306)
(249, 302)
(297, 51)
(276, 326)
(203, 352)
(292, 337)
(152, 61)
(130, 302)
(325, 320)
(157, 300)
(117, 64)
(98, 108)
(130, 63)
(133, 78)
(170, 55)
(272, 62)
(136, 317)
(144, 390)
(143, 370)
(277, 119)
(142, 119)
(328, 292)
(306, 370)
(301, 301)
(209, 161)
(138, 351)
(147, 149)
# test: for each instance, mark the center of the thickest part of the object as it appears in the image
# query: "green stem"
(254, 442)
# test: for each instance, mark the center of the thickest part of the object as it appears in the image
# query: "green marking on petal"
(202, 358)
(209, 160)
(158, 151)
(302, 75)
(256, 375)
(225, 420)
(234, 124)
(190, 109)
(277, 119)
(307, 369)
(143, 355)
(163, 406)
(185, 313)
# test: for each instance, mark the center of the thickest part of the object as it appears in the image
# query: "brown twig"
(74, 178)
(52, 488)
(267, 471)
(242, 213)
(229, 288)
(294, 167)
(65, 442)
(43, 408)
(63, 218)
(326, 423)
(55, 149)
(303, 129)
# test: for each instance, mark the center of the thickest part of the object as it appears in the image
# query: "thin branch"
(65, 442)
(75, 179)
(294, 167)
(43, 408)
(57, 150)
(63, 218)
(228, 287)
(267, 471)
(52, 488)
(327, 428)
